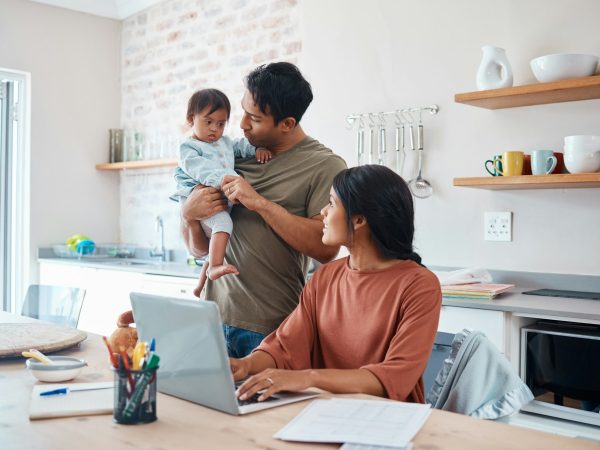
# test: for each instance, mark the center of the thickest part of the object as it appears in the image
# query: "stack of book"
(481, 291)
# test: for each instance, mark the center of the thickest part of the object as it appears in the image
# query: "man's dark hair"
(204, 98)
(383, 198)
(280, 89)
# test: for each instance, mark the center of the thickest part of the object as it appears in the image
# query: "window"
(14, 187)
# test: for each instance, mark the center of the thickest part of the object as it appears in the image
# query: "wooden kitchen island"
(183, 424)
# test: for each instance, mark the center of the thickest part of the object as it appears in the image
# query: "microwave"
(560, 363)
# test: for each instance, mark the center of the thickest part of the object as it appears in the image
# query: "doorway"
(14, 187)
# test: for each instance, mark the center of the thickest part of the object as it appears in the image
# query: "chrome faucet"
(160, 252)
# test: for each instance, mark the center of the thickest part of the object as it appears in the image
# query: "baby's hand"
(263, 155)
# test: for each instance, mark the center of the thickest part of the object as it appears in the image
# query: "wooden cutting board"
(19, 337)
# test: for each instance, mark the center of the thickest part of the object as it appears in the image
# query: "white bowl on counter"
(64, 368)
(562, 66)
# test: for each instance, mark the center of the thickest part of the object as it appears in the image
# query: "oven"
(560, 362)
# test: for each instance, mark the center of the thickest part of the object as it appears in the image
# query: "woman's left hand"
(270, 381)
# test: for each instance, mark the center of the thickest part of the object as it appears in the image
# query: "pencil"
(125, 359)
(113, 359)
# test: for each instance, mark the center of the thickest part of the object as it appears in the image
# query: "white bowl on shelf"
(562, 66)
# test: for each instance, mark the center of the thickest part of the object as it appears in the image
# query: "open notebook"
(74, 403)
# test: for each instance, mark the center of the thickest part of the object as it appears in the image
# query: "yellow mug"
(512, 164)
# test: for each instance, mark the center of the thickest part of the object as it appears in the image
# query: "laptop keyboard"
(254, 398)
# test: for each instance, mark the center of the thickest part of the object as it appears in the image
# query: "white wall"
(381, 55)
(74, 61)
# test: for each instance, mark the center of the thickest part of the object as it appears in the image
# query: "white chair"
(55, 304)
(477, 380)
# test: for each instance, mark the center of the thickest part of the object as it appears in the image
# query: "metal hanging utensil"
(360, 142)
(371, 138)
(420, 187)
(400, 144)
(382, 145)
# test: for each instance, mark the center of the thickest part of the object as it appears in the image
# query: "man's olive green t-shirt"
(272, 273)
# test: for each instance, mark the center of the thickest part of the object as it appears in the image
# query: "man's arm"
(302, 234)
(202, 203)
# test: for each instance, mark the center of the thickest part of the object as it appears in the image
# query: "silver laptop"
(194, 364)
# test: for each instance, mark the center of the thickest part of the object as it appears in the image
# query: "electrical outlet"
(497, 226)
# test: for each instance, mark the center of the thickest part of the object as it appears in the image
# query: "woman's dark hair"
(279, 89)
(212, 98)
(383, 198)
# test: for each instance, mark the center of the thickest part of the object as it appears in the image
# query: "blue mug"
(494, 172)
(543, 162)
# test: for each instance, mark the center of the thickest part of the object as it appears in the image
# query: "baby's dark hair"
(207, 98)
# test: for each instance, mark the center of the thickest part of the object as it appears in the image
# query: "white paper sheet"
(370, 422)
(79, 403)
(463, 276)
(372, 447)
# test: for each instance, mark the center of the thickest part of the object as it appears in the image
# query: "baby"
(205, 158)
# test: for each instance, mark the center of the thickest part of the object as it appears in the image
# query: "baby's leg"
(201, 280)
(216, 257)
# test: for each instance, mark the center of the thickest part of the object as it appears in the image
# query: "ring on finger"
(270, 380)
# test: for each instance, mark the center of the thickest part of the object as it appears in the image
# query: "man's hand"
(239, 190)
(240, 368)
(202, 203)
(263, 155)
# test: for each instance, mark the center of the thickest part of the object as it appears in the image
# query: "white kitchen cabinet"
(495, 324)
(169, 286)
(63, 275)
(107, 296)
(107, 292)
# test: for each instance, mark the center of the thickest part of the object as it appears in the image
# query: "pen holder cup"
(135, 396)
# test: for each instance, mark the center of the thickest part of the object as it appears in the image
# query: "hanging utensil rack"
(398, 114)
(404, 118)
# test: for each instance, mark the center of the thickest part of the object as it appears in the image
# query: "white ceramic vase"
(494, 70)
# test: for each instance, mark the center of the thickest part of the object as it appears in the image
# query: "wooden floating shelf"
(138, 164)
(586, 88)
(558, 181)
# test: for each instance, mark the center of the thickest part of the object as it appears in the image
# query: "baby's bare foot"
(216, 272)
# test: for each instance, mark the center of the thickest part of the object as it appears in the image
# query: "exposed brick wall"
(169, 51)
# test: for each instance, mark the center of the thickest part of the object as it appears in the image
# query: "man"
(276, 220)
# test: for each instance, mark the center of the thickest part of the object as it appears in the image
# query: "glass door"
(6, 89)
(14, 198)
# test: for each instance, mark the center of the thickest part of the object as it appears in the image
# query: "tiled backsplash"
(169, 51)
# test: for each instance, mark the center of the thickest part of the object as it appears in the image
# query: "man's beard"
(265, 142)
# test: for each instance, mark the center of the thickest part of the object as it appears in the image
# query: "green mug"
(494, 172)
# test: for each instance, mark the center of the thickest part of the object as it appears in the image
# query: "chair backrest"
(56, 304)
(477, 380)
(442, 347)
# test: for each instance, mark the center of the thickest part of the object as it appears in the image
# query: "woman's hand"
(270, 381)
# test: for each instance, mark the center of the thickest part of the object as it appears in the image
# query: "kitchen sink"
(131, 262)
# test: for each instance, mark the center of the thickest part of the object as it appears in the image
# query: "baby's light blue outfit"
(207, 163)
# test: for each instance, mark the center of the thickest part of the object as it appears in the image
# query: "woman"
(365, 323)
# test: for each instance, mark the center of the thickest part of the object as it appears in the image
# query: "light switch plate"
(497, 226)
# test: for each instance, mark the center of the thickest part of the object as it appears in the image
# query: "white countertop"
(518, 303)
(514, 302)
(172, 269)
